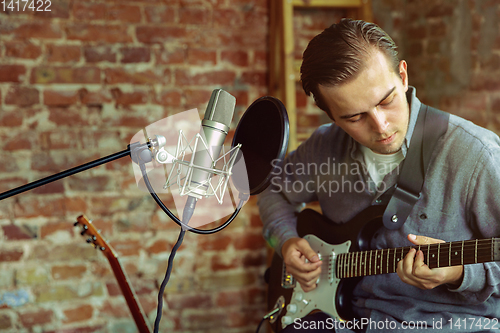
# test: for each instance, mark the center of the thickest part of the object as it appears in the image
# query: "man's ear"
(403, 72)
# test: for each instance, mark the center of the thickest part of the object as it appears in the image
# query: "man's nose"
(379, 121)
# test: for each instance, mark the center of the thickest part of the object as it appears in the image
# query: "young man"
(354, 74)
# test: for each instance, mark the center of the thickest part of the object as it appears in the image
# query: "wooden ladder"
(284, 69)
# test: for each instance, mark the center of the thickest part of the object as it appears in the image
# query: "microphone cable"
(184, 227)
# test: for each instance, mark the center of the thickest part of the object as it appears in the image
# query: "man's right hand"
(295, 251)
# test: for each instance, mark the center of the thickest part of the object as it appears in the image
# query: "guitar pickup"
(287, 280)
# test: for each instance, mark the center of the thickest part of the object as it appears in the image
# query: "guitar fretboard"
(383, 261)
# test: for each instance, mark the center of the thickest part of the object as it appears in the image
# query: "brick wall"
(76, 83)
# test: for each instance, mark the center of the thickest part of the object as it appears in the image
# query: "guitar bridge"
(287, 280)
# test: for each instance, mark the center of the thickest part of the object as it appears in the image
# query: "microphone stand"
(136, 149)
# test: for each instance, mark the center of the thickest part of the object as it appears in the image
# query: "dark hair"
(338, 54)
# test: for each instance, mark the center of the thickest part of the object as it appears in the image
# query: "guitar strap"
(430, 126)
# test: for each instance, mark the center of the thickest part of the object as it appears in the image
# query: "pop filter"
(263, 133)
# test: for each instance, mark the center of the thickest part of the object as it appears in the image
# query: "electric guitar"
(349, 259)
(99, 243)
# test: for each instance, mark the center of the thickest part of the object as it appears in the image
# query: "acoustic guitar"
(344, 250)
(98, 242)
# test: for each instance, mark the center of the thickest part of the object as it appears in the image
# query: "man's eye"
(387, 101)
(356, 118)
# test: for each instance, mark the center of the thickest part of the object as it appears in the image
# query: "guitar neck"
(129, 295)
(383, 261)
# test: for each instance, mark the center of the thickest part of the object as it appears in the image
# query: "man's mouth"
(388, 139)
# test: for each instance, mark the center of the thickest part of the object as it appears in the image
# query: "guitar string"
(476, 246)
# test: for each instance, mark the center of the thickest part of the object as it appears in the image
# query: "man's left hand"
(414, 271)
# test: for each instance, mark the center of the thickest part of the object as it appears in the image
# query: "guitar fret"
(381, 256)
(439, 250)
(387, 268)
(356, 265)
(475, 253)
(462, 252)
(345, 267)
(350, 264)
(428, 253)
(364, 263)
(394, 263)
(449, 255)
(370, 271)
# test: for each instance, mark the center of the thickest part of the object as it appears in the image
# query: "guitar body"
(334, 295)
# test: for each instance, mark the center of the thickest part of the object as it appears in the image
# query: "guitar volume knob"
(299, 297)
(292, 308)
(286, 320)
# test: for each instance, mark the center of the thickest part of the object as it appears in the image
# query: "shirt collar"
(414, 104)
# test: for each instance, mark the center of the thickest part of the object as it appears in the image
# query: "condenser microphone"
(215, 126)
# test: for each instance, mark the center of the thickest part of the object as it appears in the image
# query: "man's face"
(372, 108)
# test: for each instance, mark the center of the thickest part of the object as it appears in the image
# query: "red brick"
(65, 75)
(37, 30)
(17, 143)
(51, 228)
(90, 183)
(63, 53)
(201, 57)
(248, 241)
(256, 78)
(23, 50)
(75, 205)
(33, 318)
(169, 98)
(11, 182)
(11, 119)
(123, 13)
(80, 313)
(10, 255)
(214, 243)
(159, 14)
(196, 97)
(129, 247)
(169, 57)
(12, 73)
(89, 11)
(238, 297)
(5, 321)
(260, 58)
(66, 117)
(222, 77)
(121, 75)
(99, 53)
(53, 98)
(22, 96)
(237, 58)
(150, 35)
(15, 232)
(34, 207)
(135, 97)
(227, 17)
(159, 246)
(219, 264)
(58, 139)
(95, 97)
(118, 310)
(56, 9)
(66, 272)
(194, 16)
(183, 301)
(135, 54)
(98, 33)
